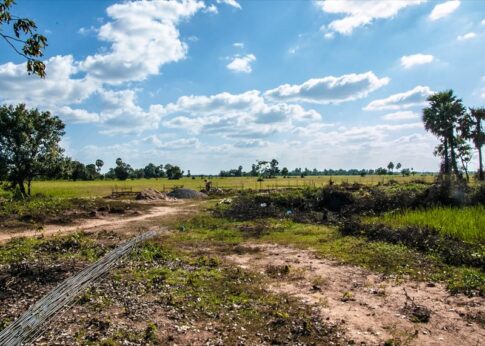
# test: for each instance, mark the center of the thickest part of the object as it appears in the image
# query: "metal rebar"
(28, 325)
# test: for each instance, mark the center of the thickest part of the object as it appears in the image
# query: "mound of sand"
(151, 195)
(186, 194)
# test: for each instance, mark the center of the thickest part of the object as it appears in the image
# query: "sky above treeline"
(213, 84)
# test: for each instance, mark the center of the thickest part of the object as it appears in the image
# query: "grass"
(66, 189)
(466, 223)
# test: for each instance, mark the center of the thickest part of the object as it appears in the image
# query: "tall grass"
(465, 223)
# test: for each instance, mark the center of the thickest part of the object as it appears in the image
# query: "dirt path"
(368, 305)
(96, 224)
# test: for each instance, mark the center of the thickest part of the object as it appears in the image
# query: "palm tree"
(441, 118)
(473, 130)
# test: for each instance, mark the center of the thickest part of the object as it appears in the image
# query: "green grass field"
(104, 187)
(466, 223)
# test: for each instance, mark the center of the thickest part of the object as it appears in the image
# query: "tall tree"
(99, 164)
(473, 129)
(442, 117)
(29, 144)
(390, 167)
(20, 34)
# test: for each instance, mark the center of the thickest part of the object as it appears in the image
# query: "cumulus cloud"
(411, 98)
(403, 115)
(143, 37)
(329, 89)
(235, 115)
(121, 114)
(232, 3)
(408, 61)
(242, 63)
(467, 36)
(359, 13)
(444, 9)
(59, 88)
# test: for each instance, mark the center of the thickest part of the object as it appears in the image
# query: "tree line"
(270, 169)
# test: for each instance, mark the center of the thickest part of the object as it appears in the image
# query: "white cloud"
(59, 88)
(329, 89)
(177, 144)
(87, 31)
(467, 36)
(76, 115)
(482, 22)
(411, 98)
(238, 45)
(121, 114)
(232, 3)
(359, 13)
(211, 9)
(242, 63)
(143, 37)
(403, 115)
(408, 61)
(235, 115)
(444, 9)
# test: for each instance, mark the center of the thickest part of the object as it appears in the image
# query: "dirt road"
(97, 224)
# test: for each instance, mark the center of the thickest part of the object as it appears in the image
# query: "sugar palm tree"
(473, 130)
(441, 118)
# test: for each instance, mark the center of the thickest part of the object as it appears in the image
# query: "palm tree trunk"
(454, 163)
(447, 158)
(480, 164)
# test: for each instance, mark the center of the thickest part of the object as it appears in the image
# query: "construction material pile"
(151, 195)
(186, 194)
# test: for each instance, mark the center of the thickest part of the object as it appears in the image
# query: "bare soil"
(372, 308)
(100, 222)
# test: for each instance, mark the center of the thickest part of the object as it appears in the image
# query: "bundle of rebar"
(28, 326)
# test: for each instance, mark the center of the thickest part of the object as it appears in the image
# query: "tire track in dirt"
(97, 224)
(368, 305)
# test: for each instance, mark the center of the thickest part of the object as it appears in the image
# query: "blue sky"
(213, 84)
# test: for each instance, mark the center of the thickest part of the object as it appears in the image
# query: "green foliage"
(20, 34)
(29, 144)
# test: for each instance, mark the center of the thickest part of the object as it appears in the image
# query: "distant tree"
(390, 167)
(405, 172)
(284, 172)
(188, 173)
(254, 170)
(441, 118)
(273, 166)
(381, 171)
(151, 171)
(122, 170)
(473, 129)
(239, 172)
(398, 166)
(20, 34)
(91, 171)
(29, 144)
(173, 172)
(99, 164)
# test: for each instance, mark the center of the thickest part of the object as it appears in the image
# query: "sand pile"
(151, 195)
